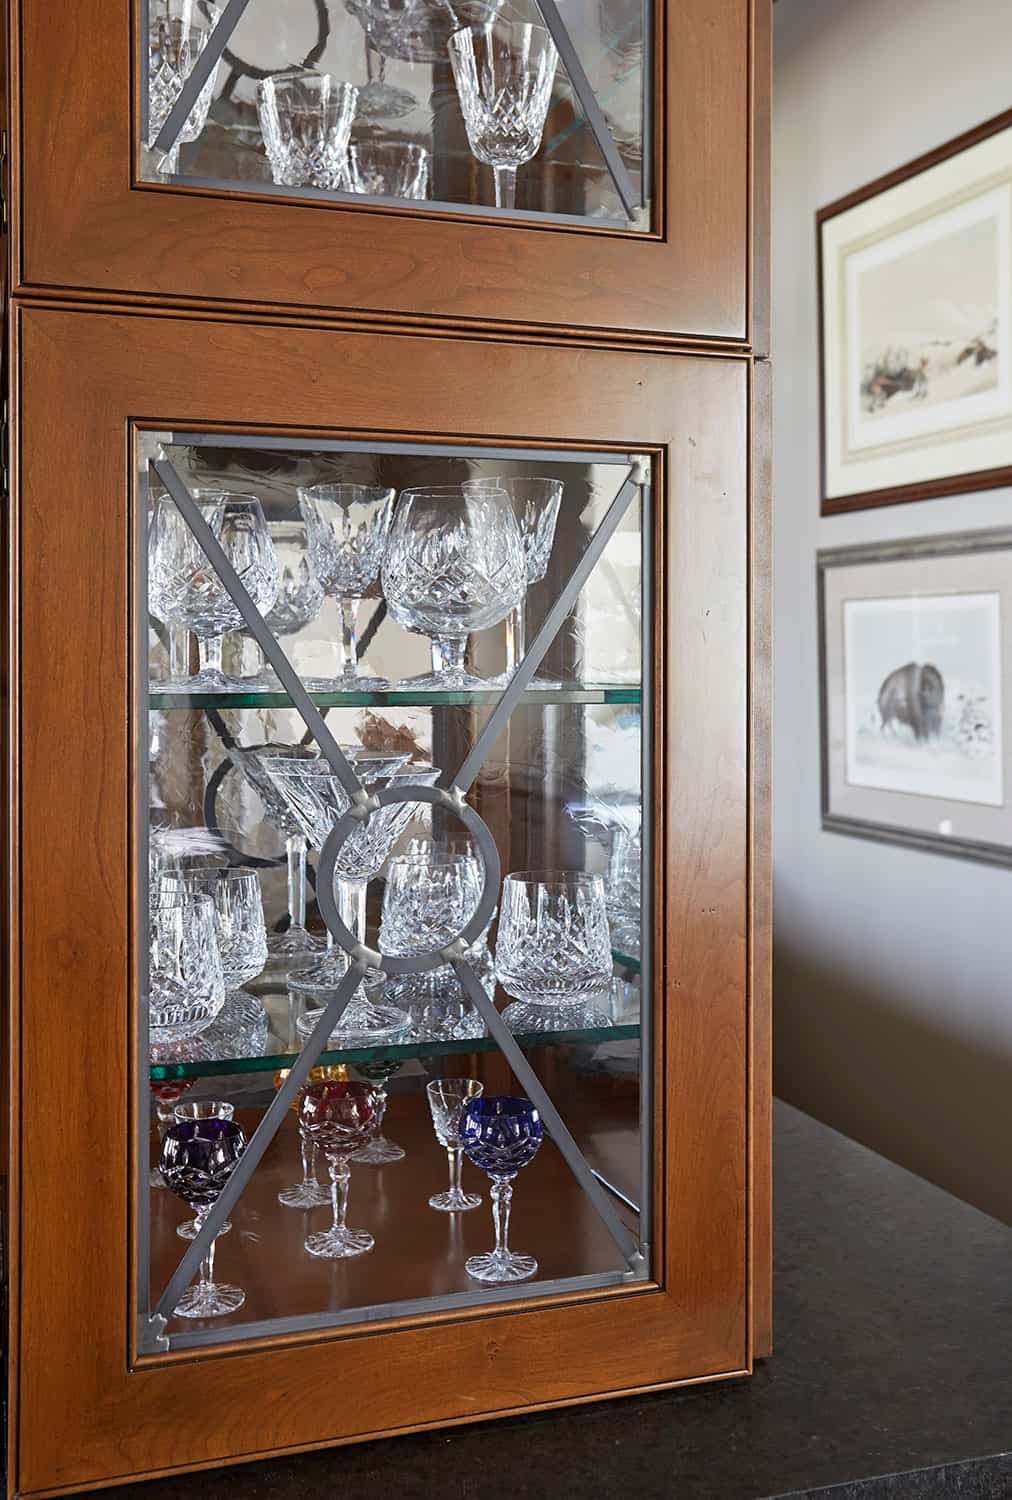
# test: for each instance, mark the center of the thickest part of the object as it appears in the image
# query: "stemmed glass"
(300, 593)
(338, 1118)
(504, 74)
(305, 120)
(309, 1193)
(177, 34)
(418, 30)
(296, 941)
(186, 985)
(211, 1109)
(553, 951)
(347, 526)
(454, 564)
(166, 1096)
(179, 574)
(198, 1157)
(388, 169)
(379, 100)
(500, 1135)
(380, 1151)
(447, 1099)
(239, 916)
(536, 505)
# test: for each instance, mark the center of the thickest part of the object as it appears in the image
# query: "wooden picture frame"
(915, 377)
(915, 675)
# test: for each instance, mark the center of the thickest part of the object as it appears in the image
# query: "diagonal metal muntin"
(217, 40)
(518, 683)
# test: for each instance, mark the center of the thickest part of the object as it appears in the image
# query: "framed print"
(916, 689)
(915, 321)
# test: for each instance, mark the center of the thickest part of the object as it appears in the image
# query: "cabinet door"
(179, 484)
(374, 183)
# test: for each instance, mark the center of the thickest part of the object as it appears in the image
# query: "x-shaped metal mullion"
(217, 40)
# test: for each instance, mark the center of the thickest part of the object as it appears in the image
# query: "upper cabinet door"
(575, 164)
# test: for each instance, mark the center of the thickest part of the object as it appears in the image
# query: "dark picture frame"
(834, 219)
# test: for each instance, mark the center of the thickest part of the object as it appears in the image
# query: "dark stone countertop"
(893, 1344)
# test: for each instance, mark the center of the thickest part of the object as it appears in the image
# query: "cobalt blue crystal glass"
(500, 1135)
(197, 1159)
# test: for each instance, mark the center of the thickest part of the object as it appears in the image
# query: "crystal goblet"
(177, 34)
(417, 31)
(447, 1099)
(553, 951)
(454, 565)
(347, 526)
(166, 1096)
(305, 120)
(204, 1109)
(536, 505)
(197, 1159)
(309, 1192)
(339, 1119)
(380, 1151)
(239, 916)
(500, 1135)
(300, 594)
(177, 571)
(504, 74)
(186, 985)
(389, 169)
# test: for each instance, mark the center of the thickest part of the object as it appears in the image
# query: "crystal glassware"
(309, 1192)
(389, 169)
(500, 1135)
(380, 1151)
(447, 1098)
(166, 1096)
(553, 951)
(300, 593)
(347, 526)
(418, 31)
(427, 902)
(296, 941)
(177, 34)
(239, 916)
(178, 575)
(437, 1006)
(198, 1157)
(504, 74)
(204, 1109)
(186, 986)
(305, 120)
(378, 100)
(454, 564)
(338, 1118)
(536, 505)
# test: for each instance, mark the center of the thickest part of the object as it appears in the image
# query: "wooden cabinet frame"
(84, 224)
(85, 1409)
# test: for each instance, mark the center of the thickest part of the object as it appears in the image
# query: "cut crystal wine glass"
(553, 951)
(197, 1159)
(204, 1109)
(447, 1098)
(305, 120)
(177, 572)
(504, 74)
(177, 34)
(309, 1192)
(300, 593)
(388, 169)
(339, 1119)
(536, 505)
(380, 1152)
(454, 564)
(347, 526)
(186, 986)
(239, 916)
(500, 1135)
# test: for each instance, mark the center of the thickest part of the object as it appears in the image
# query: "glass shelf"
(403, 698)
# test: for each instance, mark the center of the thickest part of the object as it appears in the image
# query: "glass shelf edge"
(590, 693)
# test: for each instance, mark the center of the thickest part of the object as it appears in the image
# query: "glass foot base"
(361, 1020)
(500, 1267)
(581, 1016)
(379, 1152)
(210, 1300)
(305, 1195)
(544, 683)
(384, 101)
(339, 1244)
(212, 681)
(444, 682)
(188, 1229)
(454, 1203)
(295, 943)
(360, 682)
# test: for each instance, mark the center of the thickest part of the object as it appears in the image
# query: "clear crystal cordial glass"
(347, 526)
(389, 169)
(536, 505)
(553, 950)
(198, 1156)
(447, 1098)
(454, 564)
(500, 1135)
(339, 1119)
(177, 34)
(239, 917)
(504, 74)
(305, 119)
(186, 986)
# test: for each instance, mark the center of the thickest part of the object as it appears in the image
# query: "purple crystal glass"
(197, 1159)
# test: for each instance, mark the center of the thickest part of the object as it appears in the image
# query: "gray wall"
(893, 978)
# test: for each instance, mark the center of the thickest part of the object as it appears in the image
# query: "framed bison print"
(915, 293)
(916, 678)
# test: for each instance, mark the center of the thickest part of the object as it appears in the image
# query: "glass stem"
(210, 652)
(448, 655)
(349, 637)
(295, 848)
(455, 1153)
(351, 896)
(340, 1176)
(179, 652)
(207, 1264)
(502, 1196)
(505, 187)
(381, 1109)
(307, 1161)
(516, 638)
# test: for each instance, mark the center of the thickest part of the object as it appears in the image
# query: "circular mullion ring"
(418, 963)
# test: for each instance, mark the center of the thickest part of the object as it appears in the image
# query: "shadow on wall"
(864, 1061)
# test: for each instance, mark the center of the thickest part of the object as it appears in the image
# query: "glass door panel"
(501, 107)
(450, 639)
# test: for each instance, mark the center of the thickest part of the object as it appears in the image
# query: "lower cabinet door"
(382, 1028)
